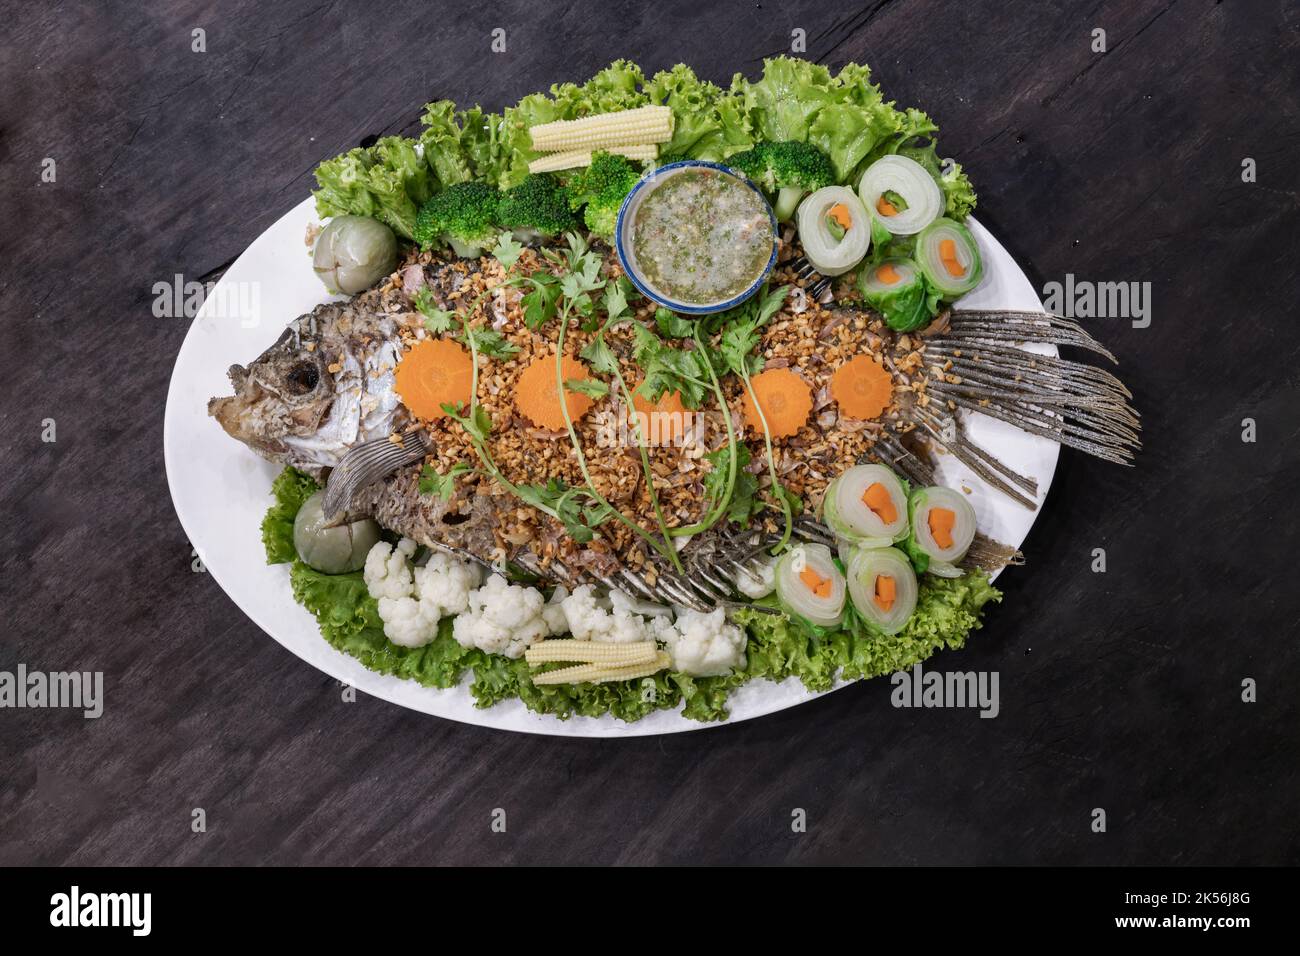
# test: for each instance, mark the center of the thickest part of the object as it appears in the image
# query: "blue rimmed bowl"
(627, 256)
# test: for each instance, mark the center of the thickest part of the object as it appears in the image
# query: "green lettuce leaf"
(958, 194)
(617, 87)
(517, 144)
(847, 133)
(783, 103)
(290, 489)
(441, 139)
(708, 123)
(387, 182)
(397, 155)
(904, 309)
(483, 145)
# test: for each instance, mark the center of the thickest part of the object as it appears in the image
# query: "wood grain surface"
(1120, 691)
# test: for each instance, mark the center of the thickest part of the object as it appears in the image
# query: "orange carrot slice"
(840, 213)
(885, 207)
(948, 255)
(888, 274)
(785, 398)
(862, 387)
(941, 521)
(537, 394)
(886, 592)
(662, 421)
(433, 373)
(815, 583)
(876, 497)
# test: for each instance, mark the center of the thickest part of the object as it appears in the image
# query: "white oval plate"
(221, 488)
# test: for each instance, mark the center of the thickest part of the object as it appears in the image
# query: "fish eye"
(303, 377)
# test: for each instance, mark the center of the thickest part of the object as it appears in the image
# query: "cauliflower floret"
(588, 621)
(413, 601)
(406, 623)
(502, 618)
(553, 611)
(388, 571)
(444, 584)
(704, 645)
(760, 583)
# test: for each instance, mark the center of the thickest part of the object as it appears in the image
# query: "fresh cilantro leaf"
(584, 276)
(645, 344)
(630, 292)
(591, 387)
(508, 250)
(557, 498)
(600, 356)
(793, 500)
(771, 303)
(582, 304)
(738, 343)
(436, 320)
(491, 343)
(540, 304)
(745, 502)
(673, 326)
(478, 425)
(667, 369)
(615, 300)
(439, 485)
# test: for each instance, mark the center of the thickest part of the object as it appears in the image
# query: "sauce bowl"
(627, 255)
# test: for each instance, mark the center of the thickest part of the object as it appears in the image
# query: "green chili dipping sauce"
(701, 237)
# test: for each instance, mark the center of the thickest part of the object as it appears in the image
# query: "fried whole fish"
(327, 385)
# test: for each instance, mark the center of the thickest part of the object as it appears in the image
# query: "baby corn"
(582, 157)
(591, 652)
(601, 673)
(647, 124)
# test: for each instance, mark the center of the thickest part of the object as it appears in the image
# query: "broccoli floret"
(788, 168)
(602, 187)
(539, 205)
(463, 215)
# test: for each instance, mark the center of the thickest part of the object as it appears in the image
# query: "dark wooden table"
(1120, 691)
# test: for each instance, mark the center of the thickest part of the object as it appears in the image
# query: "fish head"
(325, 385)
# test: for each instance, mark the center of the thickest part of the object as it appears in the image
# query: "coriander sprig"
(577, 284)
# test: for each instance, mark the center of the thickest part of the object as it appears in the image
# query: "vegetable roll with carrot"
(882, 586)
(896, 289)
(810, 586)
(948, 256)
(867, 506)
(835, 230)
(901, 195)
(943, 527)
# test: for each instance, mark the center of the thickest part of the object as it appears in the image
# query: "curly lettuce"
(441, 141)
(615, 88)
(387, 181)
(708, 123)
